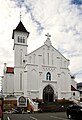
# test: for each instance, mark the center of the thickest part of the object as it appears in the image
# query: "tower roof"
(20, 28)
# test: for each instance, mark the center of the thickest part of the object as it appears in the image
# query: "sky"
(62, 19)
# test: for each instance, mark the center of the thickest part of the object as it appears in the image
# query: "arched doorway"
(48, 94)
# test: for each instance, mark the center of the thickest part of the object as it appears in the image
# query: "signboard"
(22, 101)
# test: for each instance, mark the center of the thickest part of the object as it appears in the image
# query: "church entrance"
(48, 94)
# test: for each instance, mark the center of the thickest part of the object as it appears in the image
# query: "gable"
(47, 52)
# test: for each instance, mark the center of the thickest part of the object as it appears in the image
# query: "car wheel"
(69, 116)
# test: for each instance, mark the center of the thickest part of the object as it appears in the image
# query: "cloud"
(61, 18)
(29, 9)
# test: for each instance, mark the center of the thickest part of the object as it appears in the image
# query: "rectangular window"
(23, 40)
(18, 39)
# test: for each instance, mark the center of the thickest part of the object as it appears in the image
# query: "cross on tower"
(48, 36)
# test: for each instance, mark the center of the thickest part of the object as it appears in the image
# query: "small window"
(73, 93)
(18, 39)
(23, 40)
(48, 76)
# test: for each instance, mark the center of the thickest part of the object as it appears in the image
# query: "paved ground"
(36, 116)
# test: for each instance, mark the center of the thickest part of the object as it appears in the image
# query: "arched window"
(48, 58)
(48, 76)
(21, 81)
(34, 58)
(21, 55)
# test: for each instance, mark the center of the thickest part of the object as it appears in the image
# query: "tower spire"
(20, 11)
(20, 16)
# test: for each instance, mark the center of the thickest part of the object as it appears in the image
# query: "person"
(1, 114)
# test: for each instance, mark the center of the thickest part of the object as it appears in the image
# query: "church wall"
(66, 80)
(3, 83)
(16, 80)
(19, 55)
(56, 64)
(64, 84)
(32, 81)
(43, 52)
(20, 52)
(17, 88)
(65, 95)
(8, 83)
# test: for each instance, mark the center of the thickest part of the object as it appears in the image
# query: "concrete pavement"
(36, 116)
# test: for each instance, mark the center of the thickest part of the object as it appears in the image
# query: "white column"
(40, 85)
(59, 87)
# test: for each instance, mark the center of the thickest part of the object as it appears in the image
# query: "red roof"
(10, 70)
(73, 88)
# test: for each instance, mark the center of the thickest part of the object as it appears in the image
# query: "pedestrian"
(1, 114)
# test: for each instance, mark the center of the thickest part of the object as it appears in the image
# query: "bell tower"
(20, 35)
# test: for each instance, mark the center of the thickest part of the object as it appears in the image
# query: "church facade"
(42, 74)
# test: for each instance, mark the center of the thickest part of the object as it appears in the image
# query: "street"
(36, 116)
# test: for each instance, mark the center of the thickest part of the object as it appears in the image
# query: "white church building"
(42, 74)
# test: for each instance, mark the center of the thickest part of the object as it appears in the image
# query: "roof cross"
(48, 36)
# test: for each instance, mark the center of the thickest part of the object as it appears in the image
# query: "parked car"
(17, 110)
(74, 111)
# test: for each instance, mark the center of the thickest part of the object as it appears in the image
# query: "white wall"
(8, 84)
(20, 52)
(58, 64)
